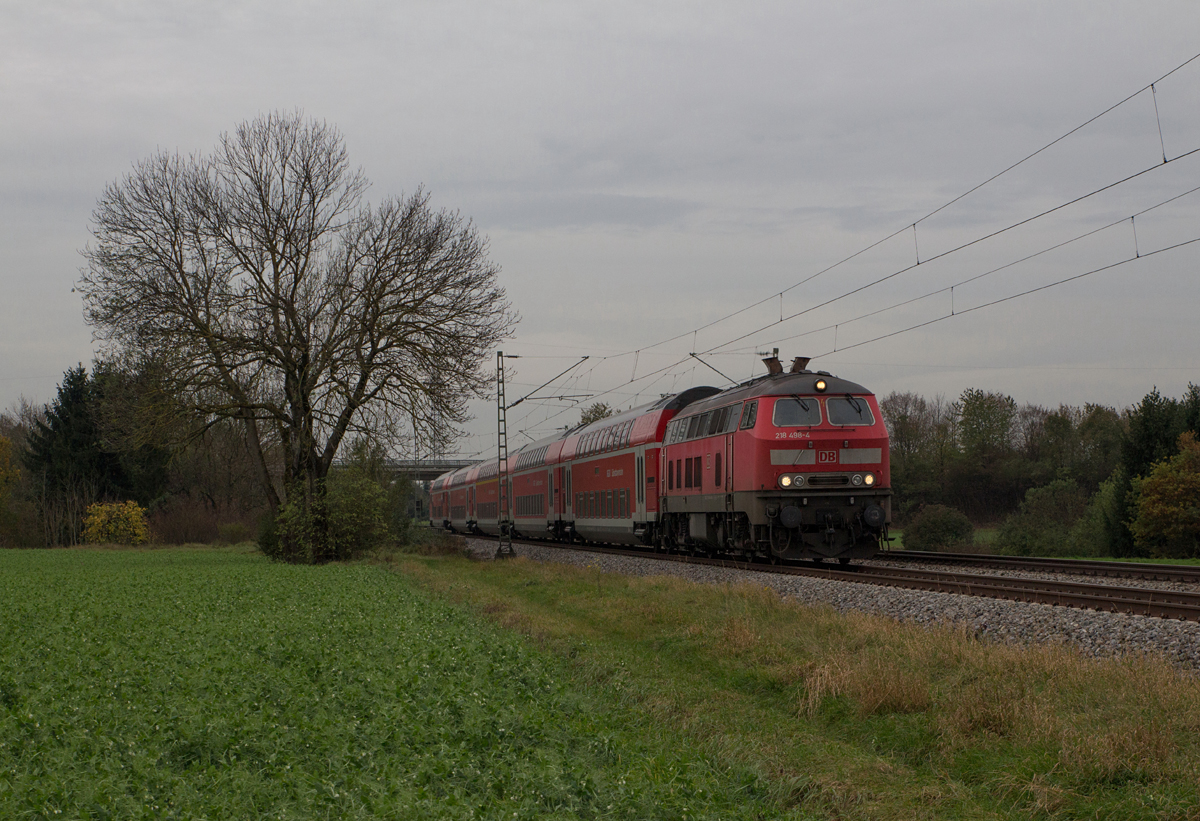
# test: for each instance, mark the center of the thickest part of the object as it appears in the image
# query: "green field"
(216, 684)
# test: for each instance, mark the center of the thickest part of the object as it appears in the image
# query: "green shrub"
(357, 509)
(937, 527)
(1042, 525)
(115, 523)
(296, 534)
(347, 519)
(1166, 518)
(1090, 535)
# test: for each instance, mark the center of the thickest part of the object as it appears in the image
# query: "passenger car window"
(797, 411)
(849, 411)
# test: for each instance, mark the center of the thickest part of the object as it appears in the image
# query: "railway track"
(1166, 604)
(1080, 567)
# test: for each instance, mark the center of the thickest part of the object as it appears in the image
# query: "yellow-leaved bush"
(116, 523)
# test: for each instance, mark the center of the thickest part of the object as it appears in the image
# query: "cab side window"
(749, 414)
(717, 422)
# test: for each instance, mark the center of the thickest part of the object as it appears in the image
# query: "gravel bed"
(1082, 578)
(1095, 633)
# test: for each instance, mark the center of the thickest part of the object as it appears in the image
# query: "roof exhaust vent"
(800, 363)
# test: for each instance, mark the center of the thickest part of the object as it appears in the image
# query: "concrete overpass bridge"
(426, 470)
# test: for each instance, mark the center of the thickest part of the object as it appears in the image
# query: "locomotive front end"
(787, 466)
(819, 479)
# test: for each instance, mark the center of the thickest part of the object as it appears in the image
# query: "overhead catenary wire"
(1151, 86)
(987, 273)
(547, 382)
(959, 248)
(713, 369)
(1011, 297)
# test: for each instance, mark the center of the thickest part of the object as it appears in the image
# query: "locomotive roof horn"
(800, 363)
(773, 365)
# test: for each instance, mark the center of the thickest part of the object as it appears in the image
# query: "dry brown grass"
(1061, 728)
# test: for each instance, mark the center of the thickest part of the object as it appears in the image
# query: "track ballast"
(1140, 601)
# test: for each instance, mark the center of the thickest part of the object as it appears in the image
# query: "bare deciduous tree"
(267, 292)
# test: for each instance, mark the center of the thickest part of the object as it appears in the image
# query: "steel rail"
(1139, 601)
(1083, 567)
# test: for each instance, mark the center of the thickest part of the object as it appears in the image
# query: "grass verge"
(856, 716)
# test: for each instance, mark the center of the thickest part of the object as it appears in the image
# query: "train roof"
(671, 402)
(785, 384)
(544, 451)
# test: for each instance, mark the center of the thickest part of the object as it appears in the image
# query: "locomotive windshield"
(795, 412)
(849, 411)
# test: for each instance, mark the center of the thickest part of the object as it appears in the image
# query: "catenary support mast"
(504, 520)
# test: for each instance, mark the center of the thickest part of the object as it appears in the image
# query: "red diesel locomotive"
(786, 466)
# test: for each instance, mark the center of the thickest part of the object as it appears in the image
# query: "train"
(787, 466)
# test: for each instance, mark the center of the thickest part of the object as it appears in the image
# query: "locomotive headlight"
(856, 480)
(785, 481)
(821, 385)
(869, 479)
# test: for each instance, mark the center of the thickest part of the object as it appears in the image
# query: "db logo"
(826, 457)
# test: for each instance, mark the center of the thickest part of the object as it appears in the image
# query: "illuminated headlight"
(785, 481)
(856, 480)
(869, 479)
(821, 385)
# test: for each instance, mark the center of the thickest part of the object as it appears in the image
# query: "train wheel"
(781, 540)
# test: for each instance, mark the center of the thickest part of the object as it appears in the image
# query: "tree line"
(197, 478)
(1072, 480)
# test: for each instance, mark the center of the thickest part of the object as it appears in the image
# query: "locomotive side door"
(727, 479)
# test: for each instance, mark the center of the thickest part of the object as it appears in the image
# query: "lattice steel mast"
(504, 548)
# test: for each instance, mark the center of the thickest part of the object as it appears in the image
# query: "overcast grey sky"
(643, 169)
